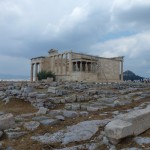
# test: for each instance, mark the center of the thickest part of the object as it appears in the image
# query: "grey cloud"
(29, 28)
(132, 15)
(86, 32)
(29, 40)
(14, 65)
(135, 48)
(138, 14)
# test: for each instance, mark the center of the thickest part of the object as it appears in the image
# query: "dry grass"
(16, 106)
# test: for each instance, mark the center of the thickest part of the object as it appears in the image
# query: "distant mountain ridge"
(129, 75)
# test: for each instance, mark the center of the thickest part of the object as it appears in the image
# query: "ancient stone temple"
(72, 66)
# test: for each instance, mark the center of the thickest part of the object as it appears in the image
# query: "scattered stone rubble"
(101, 124)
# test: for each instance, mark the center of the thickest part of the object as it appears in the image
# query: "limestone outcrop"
(79, 132)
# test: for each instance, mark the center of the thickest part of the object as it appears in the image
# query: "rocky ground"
(68, 115)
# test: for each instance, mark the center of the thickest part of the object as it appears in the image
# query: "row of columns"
(92, 67)
(59, 64)
(84, 66)
(34, 67)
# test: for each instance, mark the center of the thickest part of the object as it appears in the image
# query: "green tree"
(45, 74)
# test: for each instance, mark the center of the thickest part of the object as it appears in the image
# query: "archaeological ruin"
(72, 66)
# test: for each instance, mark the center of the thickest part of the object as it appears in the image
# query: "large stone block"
(129, 124)
(32, 94)
(32, 125)
(140, 119)
(7, 121)
(91, 108)
(41, 96)
(61, 92)
(42, 110)
(71, 99)
(28, 90)
(53, 89)
(118, 129)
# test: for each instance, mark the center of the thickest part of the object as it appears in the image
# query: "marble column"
(61, 64)
(81, 66)
(66, 64)
(94, 68)
(31, 71)
(39, 69)
(53, 66)
(122, 70)
(70, 63)
(91, 67)
(36, 71)
(86, 67)
(57, 64)
(76, 67)
(73, 67)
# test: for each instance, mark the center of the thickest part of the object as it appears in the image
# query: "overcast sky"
(29, 28)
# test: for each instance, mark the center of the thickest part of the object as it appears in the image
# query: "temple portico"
(84, 66)
(35, 68)
(76, 66)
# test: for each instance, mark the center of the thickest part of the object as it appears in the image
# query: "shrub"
(45, 74)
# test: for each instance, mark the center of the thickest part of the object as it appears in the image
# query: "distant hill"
(129, 75)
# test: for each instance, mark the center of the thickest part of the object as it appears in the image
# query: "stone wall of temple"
(108, 70)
